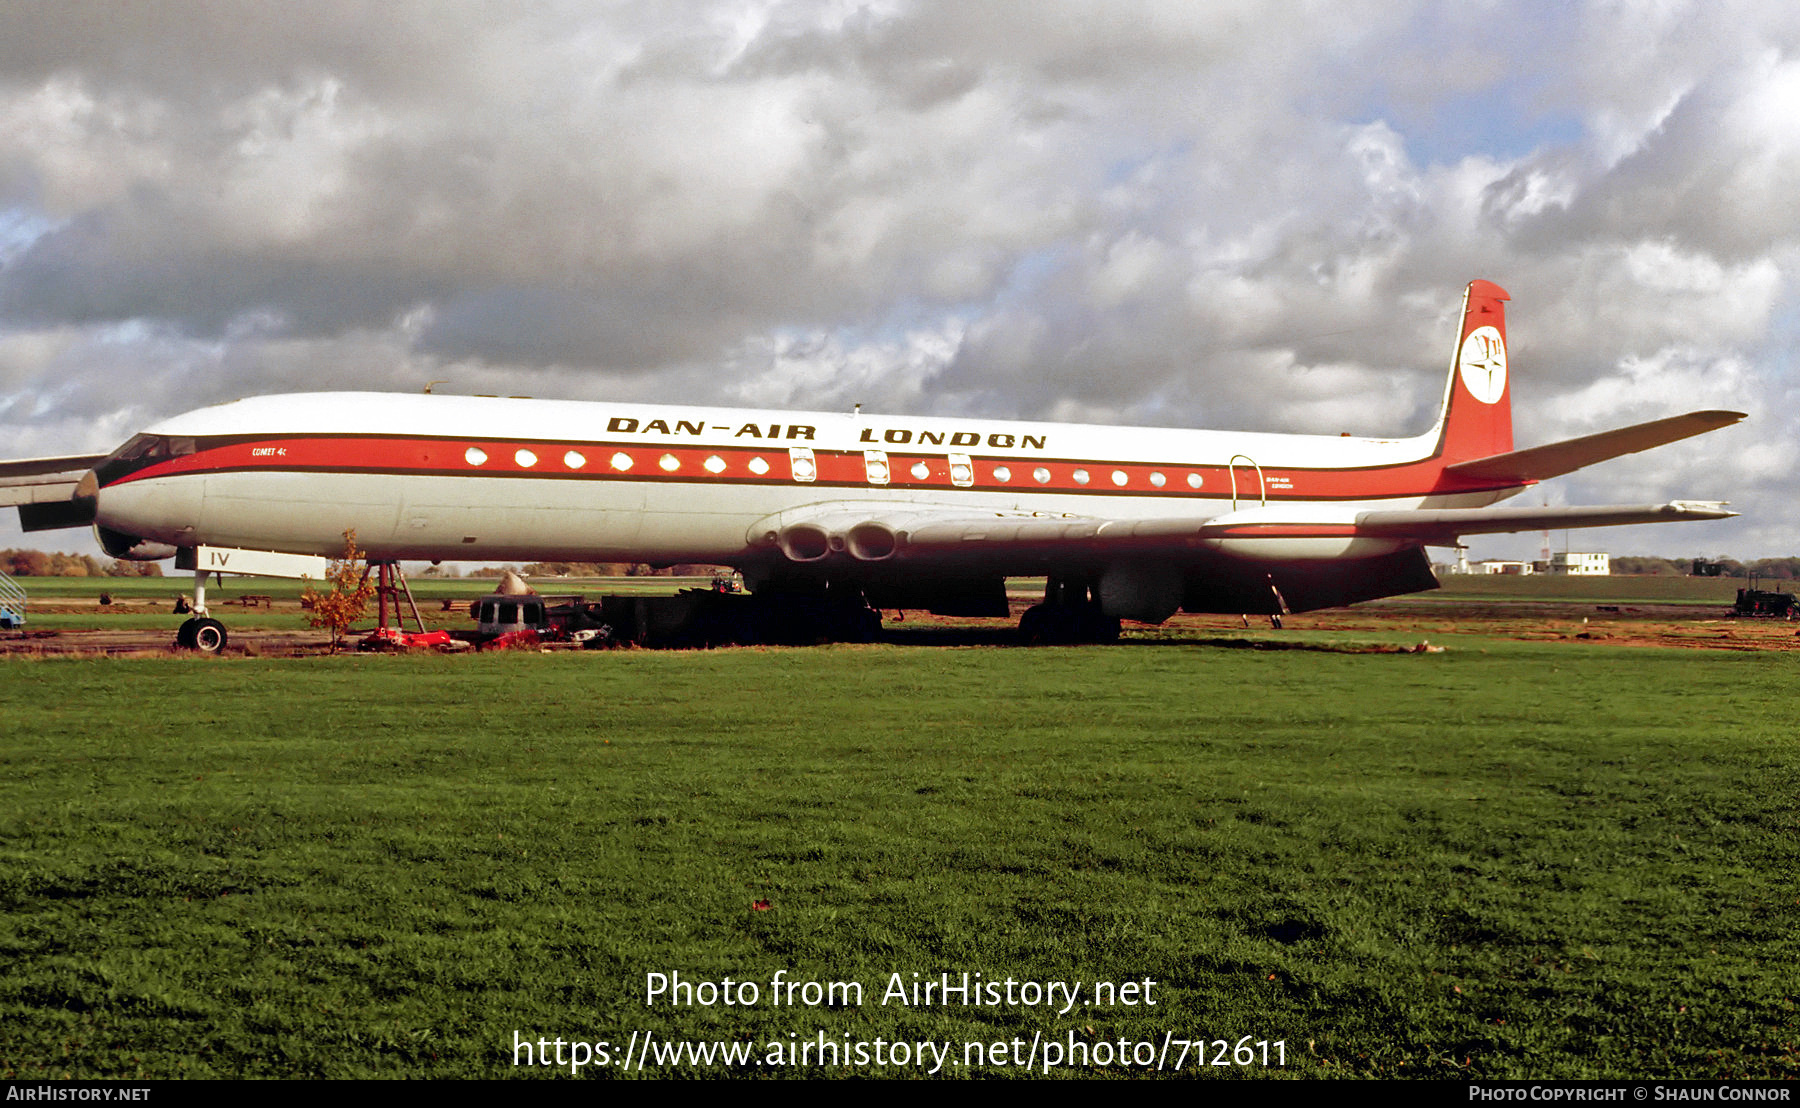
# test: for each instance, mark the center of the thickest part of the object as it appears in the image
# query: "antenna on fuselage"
(428, 385)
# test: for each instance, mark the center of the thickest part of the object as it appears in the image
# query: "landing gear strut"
(1070, 613)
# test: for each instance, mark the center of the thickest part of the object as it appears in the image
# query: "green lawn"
(1538, 861)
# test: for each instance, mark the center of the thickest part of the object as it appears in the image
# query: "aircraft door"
(1250, 466)
(875, 466)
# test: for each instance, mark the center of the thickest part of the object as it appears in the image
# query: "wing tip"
(1700, 509)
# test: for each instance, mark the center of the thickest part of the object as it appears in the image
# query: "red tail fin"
(1477, 420)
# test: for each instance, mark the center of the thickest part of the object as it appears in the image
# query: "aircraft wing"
(1442, 526)
(1428, 526)
(32, 467)
(956, 534)
(997, 532)
(44, 490)
(1557, 458)
(33, 480)
(877, 532)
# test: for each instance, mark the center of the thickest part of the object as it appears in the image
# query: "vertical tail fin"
(1477, 419)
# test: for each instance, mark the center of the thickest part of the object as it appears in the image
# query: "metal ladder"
(12, 604)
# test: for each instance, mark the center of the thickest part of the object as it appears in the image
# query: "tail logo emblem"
(1482, 363)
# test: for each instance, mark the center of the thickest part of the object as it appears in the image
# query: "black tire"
(204, 635)
(1034, 625)
(1057, 625)
(1098, 628)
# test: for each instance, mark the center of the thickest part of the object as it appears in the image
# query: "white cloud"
(1155, 211)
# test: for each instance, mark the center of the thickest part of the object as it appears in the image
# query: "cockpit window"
(141, 451)
(153, 448)
(141, 448)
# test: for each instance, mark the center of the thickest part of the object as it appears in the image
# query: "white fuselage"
(482, 478)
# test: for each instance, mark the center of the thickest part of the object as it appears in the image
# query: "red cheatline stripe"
(594, 461)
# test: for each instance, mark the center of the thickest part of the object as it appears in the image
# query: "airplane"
(842, 515)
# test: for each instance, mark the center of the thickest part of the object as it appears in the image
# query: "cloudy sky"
(1219, 214)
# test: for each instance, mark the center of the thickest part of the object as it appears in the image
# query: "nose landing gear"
(201, 633)
(205, 635)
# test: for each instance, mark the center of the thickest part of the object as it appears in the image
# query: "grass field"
(1526, 862)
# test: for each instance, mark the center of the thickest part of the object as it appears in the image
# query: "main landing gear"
(799, 613)
(1070, 613)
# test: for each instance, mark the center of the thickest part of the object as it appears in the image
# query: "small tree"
(347, 596)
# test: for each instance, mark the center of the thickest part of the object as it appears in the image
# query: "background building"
(1581, 565)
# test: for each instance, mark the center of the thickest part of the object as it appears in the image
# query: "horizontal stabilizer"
(1557, 458)
(1442, 526)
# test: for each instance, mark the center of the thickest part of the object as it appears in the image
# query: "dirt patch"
(1423, 646)
(138, 641)
(1392, 626)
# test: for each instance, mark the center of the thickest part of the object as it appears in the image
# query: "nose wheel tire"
(204, 635)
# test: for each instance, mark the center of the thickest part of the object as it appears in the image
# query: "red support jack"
(384, 587)
(390, 586)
